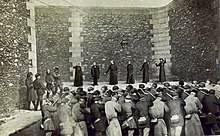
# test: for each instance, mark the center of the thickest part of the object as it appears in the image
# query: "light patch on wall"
(104, 3)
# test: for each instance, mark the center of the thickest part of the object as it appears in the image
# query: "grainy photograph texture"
(109, 67)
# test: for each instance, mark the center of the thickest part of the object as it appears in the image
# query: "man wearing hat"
(115, 88)
(40, 88)
(47, 120)
(64, 114)
(193, 106)
(128, 118)
(104, 89)
(153, 90)
(112, 108)
(129, 88)
(142, 86)
(121, 94)
(97, 120)
(210, 107)
(142, 107)
(157, 112)
(72, 98)
(176, 106)
(107, 96)
(79, 111)
(90, 96)
(57, 80)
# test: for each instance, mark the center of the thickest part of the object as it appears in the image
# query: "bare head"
(94, 63)
(78, 64)
(112, 62)
(30, 75)
(129, 62)
(145, 60)
(37, 76)
(208, 81)
(48, 71)
(193, 93)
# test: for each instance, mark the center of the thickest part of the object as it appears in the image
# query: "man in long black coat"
(113, 73)
(145, 69)
(95, 73)
(78, 76)
(162, 75)
(130, 75)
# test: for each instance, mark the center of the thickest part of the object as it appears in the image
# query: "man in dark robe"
(78, 76)
(95, 73)
(113, 73)
(145, 69)
(162, 76)
(130, 77)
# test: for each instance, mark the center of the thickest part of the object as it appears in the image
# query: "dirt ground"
(18, 120)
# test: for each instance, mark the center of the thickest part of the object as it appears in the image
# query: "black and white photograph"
(109, 67)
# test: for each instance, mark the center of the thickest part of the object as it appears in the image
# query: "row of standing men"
(113, 70)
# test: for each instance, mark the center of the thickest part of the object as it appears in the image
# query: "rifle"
(148, 93)
(57, 99)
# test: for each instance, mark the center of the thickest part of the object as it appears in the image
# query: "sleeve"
(150, 112)
(216, 101)
(42, 85)
(52, 108)
(118, 107)
(134, 108)
(166, 108)
(142, 67)
(198, 104)
(108, 69)
(92, 72)
(29, 84)
(151, 103)
(183, 103)
(98, 71)
(157, 64)
(85, 111)
(47, 80)
(132, 69)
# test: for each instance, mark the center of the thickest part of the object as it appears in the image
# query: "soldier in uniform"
(57, 80)
(40, 88)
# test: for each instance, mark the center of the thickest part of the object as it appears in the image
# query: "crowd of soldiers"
(158, 110)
